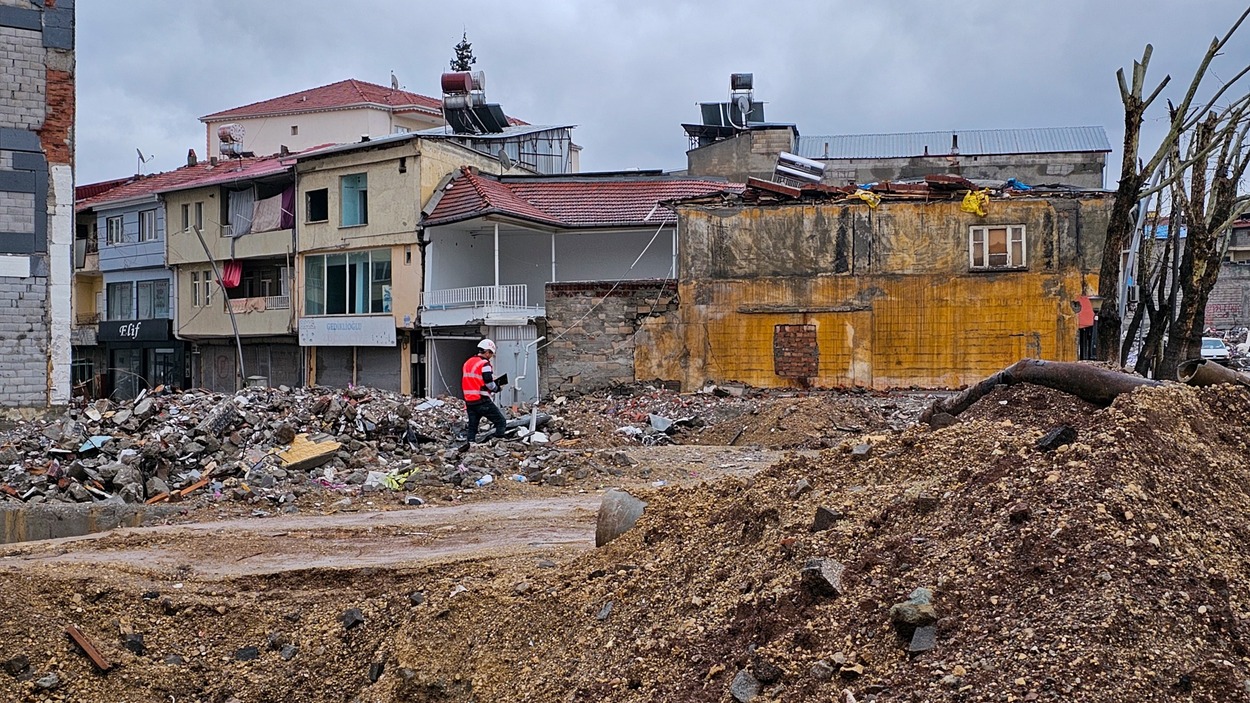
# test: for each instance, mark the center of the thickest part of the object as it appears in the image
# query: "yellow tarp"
(977, 202)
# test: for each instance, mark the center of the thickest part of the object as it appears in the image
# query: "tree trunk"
(1119, 229)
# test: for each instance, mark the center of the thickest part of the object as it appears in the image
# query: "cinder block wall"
(36, 201)
(592, 330)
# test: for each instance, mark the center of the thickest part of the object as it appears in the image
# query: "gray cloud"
(629, 73)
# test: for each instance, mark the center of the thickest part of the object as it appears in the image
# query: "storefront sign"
(347, 331)
(134, 331)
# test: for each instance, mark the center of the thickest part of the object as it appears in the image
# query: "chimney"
(191, 159)
(212, 161)
(954, 143)
(283, 150)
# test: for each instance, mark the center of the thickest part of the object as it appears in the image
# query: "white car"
(1214, 349)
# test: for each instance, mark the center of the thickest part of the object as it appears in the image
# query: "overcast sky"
(628, 73)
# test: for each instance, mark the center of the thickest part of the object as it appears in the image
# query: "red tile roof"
(90, 190)
(570, 201)
(348, 93)
(202, 174)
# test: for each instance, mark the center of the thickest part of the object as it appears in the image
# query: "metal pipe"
(225, 299)
(524, 371)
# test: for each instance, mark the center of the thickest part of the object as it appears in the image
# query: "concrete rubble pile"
(272, 446)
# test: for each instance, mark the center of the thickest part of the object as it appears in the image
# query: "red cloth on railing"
(231, 273)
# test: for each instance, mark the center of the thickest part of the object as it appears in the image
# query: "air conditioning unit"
(1130, 294)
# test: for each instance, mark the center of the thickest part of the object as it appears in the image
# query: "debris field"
(1038, 548)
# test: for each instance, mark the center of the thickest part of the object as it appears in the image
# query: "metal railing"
(511, 296)
(257, 304)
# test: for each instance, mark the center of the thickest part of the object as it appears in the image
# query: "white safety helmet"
(486, 345)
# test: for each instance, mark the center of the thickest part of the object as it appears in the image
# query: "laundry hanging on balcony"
(242, 205)
(231, 274)
(274, 213)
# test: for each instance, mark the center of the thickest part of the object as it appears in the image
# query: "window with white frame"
(355, 283)
(195, 289)
(354, 200)
(147, 226)
(199, 216)
(208, 287)
(113, 230)
(186, 217)
(996, 247)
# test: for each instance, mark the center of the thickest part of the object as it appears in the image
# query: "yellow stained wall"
(905, 312)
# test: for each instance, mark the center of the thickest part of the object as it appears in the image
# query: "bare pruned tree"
(1135, 171)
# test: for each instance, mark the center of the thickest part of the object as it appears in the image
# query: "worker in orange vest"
(478, 382)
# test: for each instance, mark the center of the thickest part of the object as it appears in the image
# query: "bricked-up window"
(147, 226)
(354, 202)
(996, 247)
(113, 230)
(795, 353)
(318, 205)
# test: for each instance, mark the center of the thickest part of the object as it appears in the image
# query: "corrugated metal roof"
(979, 142)
(514, 130)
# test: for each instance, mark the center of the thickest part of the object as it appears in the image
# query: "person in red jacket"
(478, 382)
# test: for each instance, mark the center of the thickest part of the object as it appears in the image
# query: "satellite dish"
(394, 81)
(505, 161)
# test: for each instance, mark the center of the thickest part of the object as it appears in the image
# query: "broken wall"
(886, 293)
(595, 331)
(36, 201)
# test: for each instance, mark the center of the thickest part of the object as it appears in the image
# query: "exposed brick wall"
(795, 353)
(55, 134)
(591, 330)
(1229, 303)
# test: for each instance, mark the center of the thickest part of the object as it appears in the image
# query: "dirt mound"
(1111, 569)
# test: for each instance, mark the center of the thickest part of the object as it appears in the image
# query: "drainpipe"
(524, 371)
(496, 263)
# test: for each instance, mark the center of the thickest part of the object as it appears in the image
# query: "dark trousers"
(485, 409)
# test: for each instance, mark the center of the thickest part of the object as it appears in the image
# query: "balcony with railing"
(87, 255)
(243, 306)
(490, 304)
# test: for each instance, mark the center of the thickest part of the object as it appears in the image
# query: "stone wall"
(36, 201)
(592, 330)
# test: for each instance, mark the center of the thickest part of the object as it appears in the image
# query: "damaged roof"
(973, 142)
(568, 201)
(204, 173)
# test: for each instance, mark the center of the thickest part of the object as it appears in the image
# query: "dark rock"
(48, 681)
(825, 518)
(765, 671)
(247, 653)
(284, 433)
(416, 597)
(940, 420)
(822, 577)
(174, 660)
(1019, 513)
(18, 667)
(923, 639)
(744, 687)
(288, 652)
(134, 643)
(605, 611)
(1057, 437)
(926, 503)
(822, 670)
(375, 671)
(353, 618)
(861, 451)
